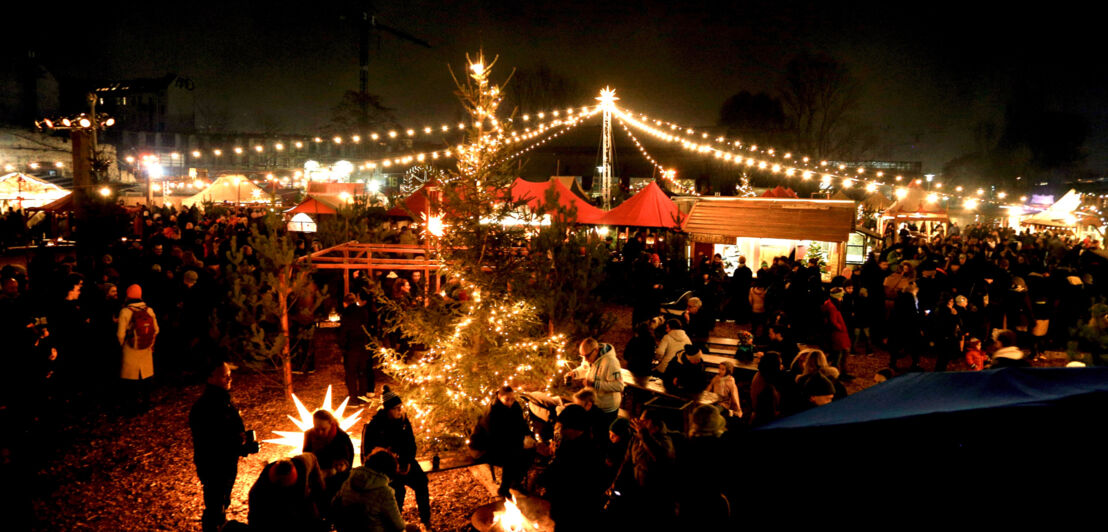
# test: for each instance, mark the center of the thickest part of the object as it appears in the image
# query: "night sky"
(930, 71)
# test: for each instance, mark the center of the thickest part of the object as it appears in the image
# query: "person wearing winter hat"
(366, 501)
(136, 332)
(390, 429)
(289, 495)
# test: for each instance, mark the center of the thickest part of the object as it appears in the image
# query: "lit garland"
(666, 174)
(752, 156)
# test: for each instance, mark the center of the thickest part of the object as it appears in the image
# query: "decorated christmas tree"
(816, 251)
(488, 325)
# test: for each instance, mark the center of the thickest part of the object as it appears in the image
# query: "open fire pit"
(518, 514)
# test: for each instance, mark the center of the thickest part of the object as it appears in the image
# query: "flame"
(511, 519)
(295, 440)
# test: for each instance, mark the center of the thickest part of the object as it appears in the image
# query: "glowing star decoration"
(295, 440)
(607, 98)
(511, 519)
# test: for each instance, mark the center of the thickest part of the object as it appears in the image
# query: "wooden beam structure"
(355, 255)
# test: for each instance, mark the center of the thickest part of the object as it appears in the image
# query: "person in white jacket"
(601, 371)
(675, 340)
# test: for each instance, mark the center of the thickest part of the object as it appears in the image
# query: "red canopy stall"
(650, 207)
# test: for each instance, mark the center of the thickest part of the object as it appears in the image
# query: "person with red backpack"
(138, 327)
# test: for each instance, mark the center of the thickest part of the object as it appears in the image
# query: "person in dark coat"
(686, 374)
(332, 447)
(353, 340)
(905, 326)
(289, 495)
(639, 352)
(946, 331)
(218, 441)
(740, 291)
(575, 478)
(509, 439)
(391, 430)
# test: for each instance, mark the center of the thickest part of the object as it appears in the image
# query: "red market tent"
(534, 195)
(780, 192)
(419, 202)
(313, 206)
(650, 207)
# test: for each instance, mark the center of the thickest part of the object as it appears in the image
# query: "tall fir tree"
(490, 327)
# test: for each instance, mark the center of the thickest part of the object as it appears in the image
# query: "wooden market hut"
(914, 207)
(763, 228)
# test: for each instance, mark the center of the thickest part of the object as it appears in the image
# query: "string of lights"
(789, 167)
(669, 175)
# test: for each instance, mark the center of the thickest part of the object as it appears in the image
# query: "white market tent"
(24, 191)
(229, 189)
(1061, 214)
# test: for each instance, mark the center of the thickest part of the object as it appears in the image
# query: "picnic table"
(651, 392)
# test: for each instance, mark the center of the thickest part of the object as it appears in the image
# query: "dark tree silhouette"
(540, 88)
(819, 95)
(347, 115)
(753, 117)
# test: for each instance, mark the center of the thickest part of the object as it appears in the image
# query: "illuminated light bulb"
(356, 139)
(970, 204)
(238, 150)
(196, 153)
(898, 178)
(1002, 195)
(217, 153)
(461, 125)
(174, 155)
(805, 159)
(299, 144)
(980, 192)
(317, 140)
(958, 188)
(1023, 198)
(861, 170)
(129, 159)
(806, 175)
(59, 164)
(938, 185)
(477, 68)
(872, 187)
(410, 132)
(84, 122)
(901, 193)
(847, 183)
(258, 149)
(932, 197)
(105, 191)
(789, 172)
(337, 139)
(374, 136)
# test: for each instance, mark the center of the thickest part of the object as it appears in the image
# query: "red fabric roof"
(416, 204)
(780, 192)
(651, 207)
(534, 195)
(313, 206)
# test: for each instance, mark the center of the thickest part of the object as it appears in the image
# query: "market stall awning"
(64, 204)
(650, 207)
(780, 192)
(28, 190)
(915, 206)
(228, 189)
(419, 202)
(534, 195)
(790, 219)
(1063, 213)
(313, 206)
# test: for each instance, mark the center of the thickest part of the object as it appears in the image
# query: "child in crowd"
(975, 357)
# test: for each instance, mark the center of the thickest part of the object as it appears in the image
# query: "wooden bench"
(449, 461)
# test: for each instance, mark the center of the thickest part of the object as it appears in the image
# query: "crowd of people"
(91, 330)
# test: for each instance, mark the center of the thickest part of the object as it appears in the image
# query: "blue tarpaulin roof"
(923, 394)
